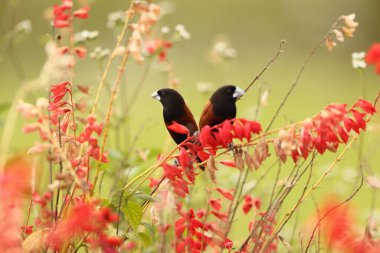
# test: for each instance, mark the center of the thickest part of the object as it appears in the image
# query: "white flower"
(115, 19)
(358, 60)
(183, 33)
(85, 35)
(24, 26)
(99, 53)
(222, 50)
(165, 30)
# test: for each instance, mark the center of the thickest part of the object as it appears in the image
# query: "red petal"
(228, 163)
(81, 13)
(81, 52)
(59, 23)
(220, 216)
(228, 194)
(178, 128)
(216, 204)
(366, 106)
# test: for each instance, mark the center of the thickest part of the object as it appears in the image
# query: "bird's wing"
(187, 119)
(208, 116)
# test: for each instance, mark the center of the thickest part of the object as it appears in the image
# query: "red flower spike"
(178, 128)
(228, 194)
(81, 13)
(216, 204)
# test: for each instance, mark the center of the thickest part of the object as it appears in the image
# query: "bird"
(176, 110)
(220, 106)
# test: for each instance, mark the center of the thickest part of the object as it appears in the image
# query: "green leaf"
(149, 228)
(133, 213)
(146, 239)
(143, 196)
(115, 198)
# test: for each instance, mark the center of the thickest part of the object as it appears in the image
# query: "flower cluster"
(325, 131)
(93, 150)
(158, 47)
(345, 27)
(94, 226)
(61, 109)
(63, 16)
(373, 56)
(338, 229)
(222, 135)
(29, 111)
(194, 233)
(149, 15)
(14, 184)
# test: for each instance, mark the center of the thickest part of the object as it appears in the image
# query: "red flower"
(228, 194)
(158, 47)
(81, 13)
(216, 204)
(247, 204)
(373, 56)
(80, 51)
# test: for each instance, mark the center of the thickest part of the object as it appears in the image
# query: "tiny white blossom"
(85, 35)
(24, 26)
(183, 33)
(99, 53)
(358, 60)
(115, 19)
(165, 30)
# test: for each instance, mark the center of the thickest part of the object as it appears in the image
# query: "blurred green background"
(254, 29)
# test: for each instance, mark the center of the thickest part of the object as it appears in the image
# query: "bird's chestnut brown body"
(221, 106)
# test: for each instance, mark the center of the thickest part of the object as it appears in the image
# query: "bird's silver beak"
(156, 96)
(238, 93)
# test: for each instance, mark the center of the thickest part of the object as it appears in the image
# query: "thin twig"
(60, 169)
(306, 195)
(268, 66)
(334, 208)
(120, 38)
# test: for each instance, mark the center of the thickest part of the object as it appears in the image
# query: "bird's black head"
(168, 97)
(223, 101)
(227, 94)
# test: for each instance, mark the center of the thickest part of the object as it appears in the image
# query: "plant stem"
(306, 195)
